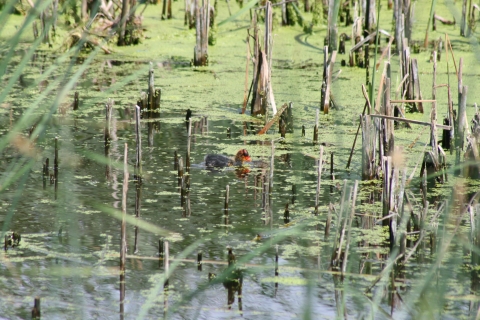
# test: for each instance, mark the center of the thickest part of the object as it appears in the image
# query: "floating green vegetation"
(71, 226)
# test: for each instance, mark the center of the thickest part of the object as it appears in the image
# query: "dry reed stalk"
(227, 196)
(245, 94)
(273, 120)
(138, 138)
(409, 121)
(319, 178)
(123, 230)
(385, 52)
(352, 215)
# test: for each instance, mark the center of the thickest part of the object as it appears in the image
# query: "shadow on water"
(299, 40)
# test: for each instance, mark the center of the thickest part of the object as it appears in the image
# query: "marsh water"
(69, 252)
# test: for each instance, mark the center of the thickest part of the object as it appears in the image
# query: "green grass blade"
(247, 7)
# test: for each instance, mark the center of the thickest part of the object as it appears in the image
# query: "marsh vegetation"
(307, 229)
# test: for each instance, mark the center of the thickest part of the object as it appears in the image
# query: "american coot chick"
(220, 161)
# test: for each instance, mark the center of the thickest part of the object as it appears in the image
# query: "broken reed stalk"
(411, 100)
(462, 118)
(329, 221)
(462, 104)
(294, 193)
(407, 88)
(404, 218)
(333, 7)
(158, 97)
(417, 94)
(183, 191)
(138, 162)
(273, 120)
(367, 104)
(268, 44)
(463, 23)
(270, 182)
(202, 21)
(108, 124)
(138, 202)
(369, 144)
(381, 90)
(45, 26)
(356, 134)
(352, 215)
(433, 114)
(388, 209)
(187, 209)
(389, 127)
(264, 194)
(430, 18)
(46, 173)
(123, 230)
(175, 160)
(55, 168)
(123, 20)
(423, 184)
(75, 101)
(385, 51)
(36, 312)
(262, 92)
(460, 79)
(199, 261)
(342, 223)
(365, 40)
(180, 171)
(167, 9)
(189, 143)
(319, 178)
(164, 9)
(188, 17)
(151, 91)
(276, 260)
(286, 214)
(442, 20)
(160, 248)
(108, 117)
(289, 118)
(332, 177)
(55, 160)
(166, 264)
(422, 123)
(227, 197)
(246, 93)
(328, 63)
(451, 122)
(367, 99)
(324, 87)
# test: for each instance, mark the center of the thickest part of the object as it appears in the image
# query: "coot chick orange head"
(220, 161)
(242, 155)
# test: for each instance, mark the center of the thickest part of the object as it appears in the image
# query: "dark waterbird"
(220, 161)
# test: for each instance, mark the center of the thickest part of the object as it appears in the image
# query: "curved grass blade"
(247, 7)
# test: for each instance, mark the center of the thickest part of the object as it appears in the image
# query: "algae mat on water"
(70, 233)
